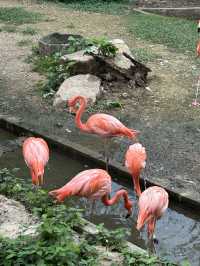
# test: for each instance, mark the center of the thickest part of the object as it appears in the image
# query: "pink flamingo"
(93, 184)
(135, 161)
(104, 125)
(198, 26)
(198, 49)
(36, 156)
(153, 202)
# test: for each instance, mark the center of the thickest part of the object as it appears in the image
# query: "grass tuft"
(18, 15)
(29, 31)
(9, 28)
(173, 32)
(145, 55)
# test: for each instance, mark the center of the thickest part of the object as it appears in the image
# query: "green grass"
(29, 31)
(18, 15)
(109, 7)
(177, 33)
(145, 55)
(24, 43)
(9, 28)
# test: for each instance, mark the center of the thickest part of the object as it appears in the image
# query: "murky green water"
(178, 231)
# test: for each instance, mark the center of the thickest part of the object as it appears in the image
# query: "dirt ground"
(169, 125)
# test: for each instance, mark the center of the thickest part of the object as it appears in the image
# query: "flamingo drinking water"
(105, 125)
(153, 202)
(135, 161)
(36, 156)
(93, 184)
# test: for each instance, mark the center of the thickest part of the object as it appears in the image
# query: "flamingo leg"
(106, 152)
(93, 207)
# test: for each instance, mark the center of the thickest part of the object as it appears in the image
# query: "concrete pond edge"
(77, 151)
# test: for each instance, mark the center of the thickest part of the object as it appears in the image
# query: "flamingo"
(92, 184)
(36, 156)
(198, 26)
(198, 49)
(135, 161)
(104, 125)
(153, 202)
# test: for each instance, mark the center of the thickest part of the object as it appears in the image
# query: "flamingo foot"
(155, 240)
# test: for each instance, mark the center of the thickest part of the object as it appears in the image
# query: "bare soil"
(169, 124)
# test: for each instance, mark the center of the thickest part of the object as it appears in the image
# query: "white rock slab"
(85, 85)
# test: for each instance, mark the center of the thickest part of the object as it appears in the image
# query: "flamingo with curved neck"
(153, 202)
(93, 184)
(135, 161)
(104, 125)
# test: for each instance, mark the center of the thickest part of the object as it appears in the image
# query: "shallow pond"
(178, 231)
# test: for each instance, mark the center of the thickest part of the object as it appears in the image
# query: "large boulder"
(84, 85)
(120, 60)
(14, 219)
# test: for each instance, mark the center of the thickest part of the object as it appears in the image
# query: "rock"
(85, 85)
(125, 95)
(122, 46)
(14, 219)
(83, 64)
(120, 60)
(56, 42)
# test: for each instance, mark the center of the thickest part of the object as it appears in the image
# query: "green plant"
(29, 31)
(76, 44)
(143, 259)
(18, 15)
(104, 47)
(54, 244)
(51, 67)
(114, 240)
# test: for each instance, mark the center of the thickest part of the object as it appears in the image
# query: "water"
(178, 231)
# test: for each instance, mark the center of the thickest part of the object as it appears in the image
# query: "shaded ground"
(170, 126)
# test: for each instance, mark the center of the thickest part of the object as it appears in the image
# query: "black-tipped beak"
(128, 215)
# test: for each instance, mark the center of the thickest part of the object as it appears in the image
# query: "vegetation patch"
(24, 43)
(145, 55)
(9, 28)
(29, 31)
(55, 242)
(18, 15)
(173, 32)
(116, 7)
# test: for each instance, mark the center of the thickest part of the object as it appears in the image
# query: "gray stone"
(14, 219)
(84, 85)
(83, 64)
(120, 60)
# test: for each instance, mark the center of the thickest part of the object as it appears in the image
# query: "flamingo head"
(37, 173)
(74, 103)
(143, 216)
(129, 206)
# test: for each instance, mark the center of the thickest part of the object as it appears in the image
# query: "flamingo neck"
(79, 113)
(136, 181)
(119, 194)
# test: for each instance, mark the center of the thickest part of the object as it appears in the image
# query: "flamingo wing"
(106, 125)
(153, 202)
(35, 150)
(93, 183)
